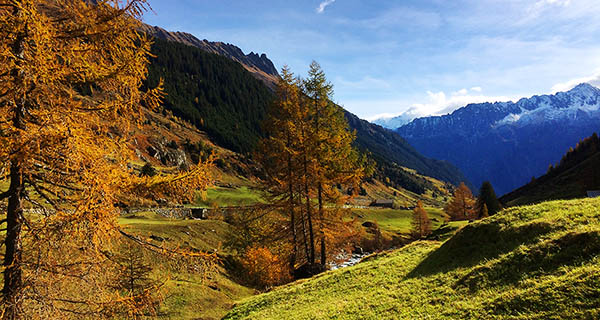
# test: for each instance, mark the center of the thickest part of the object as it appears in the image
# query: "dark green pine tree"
(487, 197)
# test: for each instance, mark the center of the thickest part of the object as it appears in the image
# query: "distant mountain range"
(394, 122)
(508, 143)
(213, 85)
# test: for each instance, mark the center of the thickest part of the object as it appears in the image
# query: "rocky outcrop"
(168, 153)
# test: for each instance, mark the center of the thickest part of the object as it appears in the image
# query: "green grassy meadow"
(226, 197)
(395, 220)
(532, 262)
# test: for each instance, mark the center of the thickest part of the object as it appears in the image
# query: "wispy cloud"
(566, 86)
(540, 6)
(324, 5)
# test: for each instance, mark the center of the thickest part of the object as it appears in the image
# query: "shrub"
(265, 269)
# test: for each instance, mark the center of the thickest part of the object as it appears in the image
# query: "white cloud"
(476, 89)
(433, 104)
(324, 5)
(409, 114)
(460, 92)
(566, 86)
(440, 103)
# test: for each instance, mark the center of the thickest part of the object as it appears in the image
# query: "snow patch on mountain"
(396, 121)
(582, 101)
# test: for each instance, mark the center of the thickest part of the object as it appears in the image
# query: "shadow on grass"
(569, 250)
(478, 242)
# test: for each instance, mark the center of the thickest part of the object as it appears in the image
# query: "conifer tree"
(279, 155)
(133, 278)
(336, 161)
(487, 197)
(307, 155)
(484, 212)
(70, 73)
(420, 223)
(462, 204)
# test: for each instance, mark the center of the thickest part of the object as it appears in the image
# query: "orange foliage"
(307, 155)
(264, 268)
(462, 204)
(421, 223)
(70, 73)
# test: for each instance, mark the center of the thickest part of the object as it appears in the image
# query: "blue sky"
(422, 56)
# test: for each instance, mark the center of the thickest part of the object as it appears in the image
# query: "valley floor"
(210, 295)
(533, 262)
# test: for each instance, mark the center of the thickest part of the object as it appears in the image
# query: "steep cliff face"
(508, 142)
(258, 65)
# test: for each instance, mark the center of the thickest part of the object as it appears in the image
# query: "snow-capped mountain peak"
(508, 142)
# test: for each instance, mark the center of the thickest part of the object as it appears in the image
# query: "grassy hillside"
(534, 262)
(225, 197)
(397, 221)
(577, 172)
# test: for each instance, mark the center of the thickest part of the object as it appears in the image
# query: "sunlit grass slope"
(226, 197)
(396, 220)
(534, 262)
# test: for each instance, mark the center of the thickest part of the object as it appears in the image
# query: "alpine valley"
(149, 174)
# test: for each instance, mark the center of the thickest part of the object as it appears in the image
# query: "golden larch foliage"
(421, 223)
(462, 204)
(309, 162)
(70, 79)
(265, 269)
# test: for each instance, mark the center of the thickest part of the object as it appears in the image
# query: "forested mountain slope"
(214, 93)
(221, 97)
(577, 173)
(258, 65)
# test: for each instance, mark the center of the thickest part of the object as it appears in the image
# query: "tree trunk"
(322, 225)
(305, 238)
(292, 215)
(308, 214)
(13, 282)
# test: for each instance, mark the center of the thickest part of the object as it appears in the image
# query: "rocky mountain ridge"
(258, 65)
(508, 142)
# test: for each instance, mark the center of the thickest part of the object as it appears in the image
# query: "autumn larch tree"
(70, 78)
(307, 155)
(279, 156)
(487, 197)
(484, 212)
(133, 278)
(336, 162)
(462, 204)
(420, 222)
